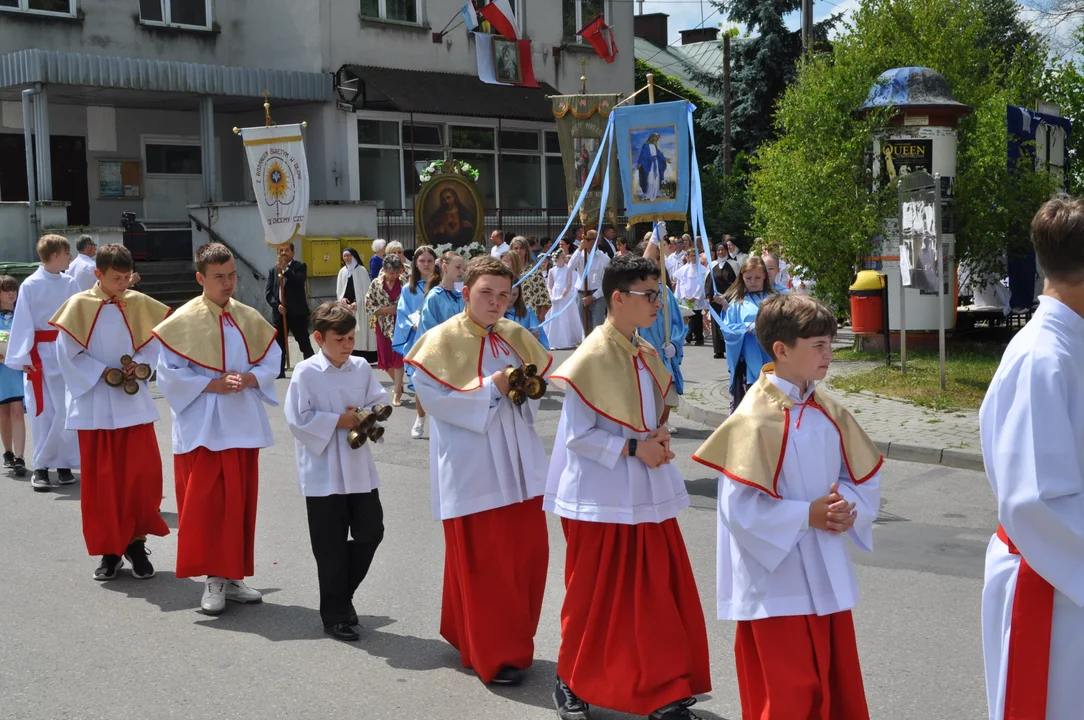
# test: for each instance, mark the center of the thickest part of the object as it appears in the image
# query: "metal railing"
(398, 224)
(202, 227)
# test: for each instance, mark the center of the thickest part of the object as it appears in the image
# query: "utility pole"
(726, 105)
(807, 25)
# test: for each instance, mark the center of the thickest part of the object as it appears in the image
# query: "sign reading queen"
(280, 179)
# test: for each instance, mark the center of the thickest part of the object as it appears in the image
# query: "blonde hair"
(50, 245)
(394, 248)
(437, 276)
(738, 291)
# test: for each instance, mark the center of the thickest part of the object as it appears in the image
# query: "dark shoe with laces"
(342, 631)
(508, 675)
(40, 481)
(108, 567)
(64, 476)
(676, 711)
(20, 467)
(9, 459)
(137, 553)
(569, 707)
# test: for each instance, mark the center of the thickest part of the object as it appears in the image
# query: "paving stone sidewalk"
(903, 431)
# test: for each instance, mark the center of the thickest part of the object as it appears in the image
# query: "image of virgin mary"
(652, 167)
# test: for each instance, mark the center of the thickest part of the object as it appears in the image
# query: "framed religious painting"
(506, 61)
(449, 209)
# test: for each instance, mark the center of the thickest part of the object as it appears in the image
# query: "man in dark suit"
(296, 307)
(608, 242)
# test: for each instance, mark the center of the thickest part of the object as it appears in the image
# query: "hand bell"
(530, 370)
(376, 432)
(356, 438)
(535, 387)
(517, 396)
(143, 371)
(365, 419)
(131, 387)
(382, 411)
(514, 377)
(114, 377)
(125, 361)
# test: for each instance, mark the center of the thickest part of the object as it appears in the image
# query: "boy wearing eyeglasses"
(631, 606)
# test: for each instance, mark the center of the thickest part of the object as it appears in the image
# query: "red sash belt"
(1028, 670)
(37, 377)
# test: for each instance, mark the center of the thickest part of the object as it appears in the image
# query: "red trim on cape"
(608, 417)
(481, 356)
(774, 492)
(94, 322)
(736, 478)
(843, 449)
(222, 333)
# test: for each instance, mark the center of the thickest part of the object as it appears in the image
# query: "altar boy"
(118, 450)
(798, 479)
(632, 629)
(217, 369)
(339, 483)
(487, 470)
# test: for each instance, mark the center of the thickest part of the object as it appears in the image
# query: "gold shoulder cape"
(749, 446)
(195, 332)
(78, 315)
(603, 373)
(451, 353)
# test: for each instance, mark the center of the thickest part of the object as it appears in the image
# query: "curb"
(949, 457)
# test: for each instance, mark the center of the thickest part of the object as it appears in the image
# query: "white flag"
(280, 179)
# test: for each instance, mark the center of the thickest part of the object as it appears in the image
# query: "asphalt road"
(132, 649)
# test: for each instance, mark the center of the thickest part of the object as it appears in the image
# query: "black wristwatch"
(633, 442)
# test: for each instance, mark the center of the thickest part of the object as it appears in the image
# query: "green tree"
(1063, 83)
(811, 186)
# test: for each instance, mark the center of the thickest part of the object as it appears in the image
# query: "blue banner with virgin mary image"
(653, 154)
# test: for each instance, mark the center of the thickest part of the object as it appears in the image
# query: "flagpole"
(662, 258)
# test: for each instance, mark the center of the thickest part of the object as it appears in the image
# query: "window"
(379, 176)
(476, 145)
(169, 157)
(519, 140)
(578, 13)
(521, 181)
(409, 11)
(377, 132)
(555, 173)
(425, 135)
(176, 13)
(553, 144)
(472, 138)
(43, 7)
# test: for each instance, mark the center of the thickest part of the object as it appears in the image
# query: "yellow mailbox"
(364, 246)
(322, 255)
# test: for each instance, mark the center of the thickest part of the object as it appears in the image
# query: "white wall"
(15, 243)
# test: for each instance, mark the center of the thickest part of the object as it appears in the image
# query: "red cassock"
(495, 565)
(800, 667)
(216, 507)
(121, 487)
(633, 637)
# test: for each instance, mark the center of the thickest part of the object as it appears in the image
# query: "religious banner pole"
(655, 229)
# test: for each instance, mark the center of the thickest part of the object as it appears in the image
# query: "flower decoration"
(444, 167)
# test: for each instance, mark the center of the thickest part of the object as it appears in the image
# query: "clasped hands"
(128, 370)
(832, 513)
(231, 383)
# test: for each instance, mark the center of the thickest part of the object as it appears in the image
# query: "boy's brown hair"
(788, 318)
(113, 257)
(8, 284)
(482, 266)
(333, 317)
(1057, 233)
(211, 253)
(49, 245)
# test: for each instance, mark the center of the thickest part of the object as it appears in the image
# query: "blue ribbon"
(696, 220)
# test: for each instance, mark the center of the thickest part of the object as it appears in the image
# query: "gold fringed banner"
(581, 122)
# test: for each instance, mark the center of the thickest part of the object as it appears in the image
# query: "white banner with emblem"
(280, 179)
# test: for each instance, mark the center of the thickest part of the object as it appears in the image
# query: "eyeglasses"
(651, 295)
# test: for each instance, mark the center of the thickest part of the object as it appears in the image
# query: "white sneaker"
(214, 596)
(237, 591)
(418, 430)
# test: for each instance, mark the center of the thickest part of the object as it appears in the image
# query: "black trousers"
(298, 326)
(696, 328)
(717, 342)
(341, 563)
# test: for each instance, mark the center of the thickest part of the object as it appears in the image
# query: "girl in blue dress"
(744, 355)
(442, 302)
(12, 421)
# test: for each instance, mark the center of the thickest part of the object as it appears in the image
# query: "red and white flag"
(500, 16)
(601, 37)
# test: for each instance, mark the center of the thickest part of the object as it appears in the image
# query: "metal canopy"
(26, 67)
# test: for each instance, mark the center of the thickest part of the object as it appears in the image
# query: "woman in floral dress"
(533, 288)
(381, 302)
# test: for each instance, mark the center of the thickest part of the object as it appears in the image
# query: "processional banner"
(581, 122)
(280, 179)
(653, 154)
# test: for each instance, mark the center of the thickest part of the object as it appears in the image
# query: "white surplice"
(484, 452)
(589, 479)
(319, 393)
(566, 328)
(219, 421)
(81, 269)
(688, 285)
(769, 562)
(40, 296)
(93, 405)
(1032, 430)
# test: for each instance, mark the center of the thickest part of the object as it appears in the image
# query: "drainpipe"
(31, 182)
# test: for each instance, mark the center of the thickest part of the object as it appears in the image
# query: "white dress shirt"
(219, 421)
(498, 250)
(81, 269)
(319, 393)
(770, 563)
(589, 478)
(484, 452)
(578, 263)
(93, 405)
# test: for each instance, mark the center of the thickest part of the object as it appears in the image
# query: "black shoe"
(137, 553)
(676, 711)
(109, 567)
(569, 707)
(64, 476)
(282, 375)
(342, 631)
(20, 467)
(353, 616)
(40, 481)
(9, 459)
(719, 356)
(508, 675)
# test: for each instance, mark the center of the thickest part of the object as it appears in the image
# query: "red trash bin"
(867, 303)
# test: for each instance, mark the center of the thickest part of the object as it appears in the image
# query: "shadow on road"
(165, 589)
